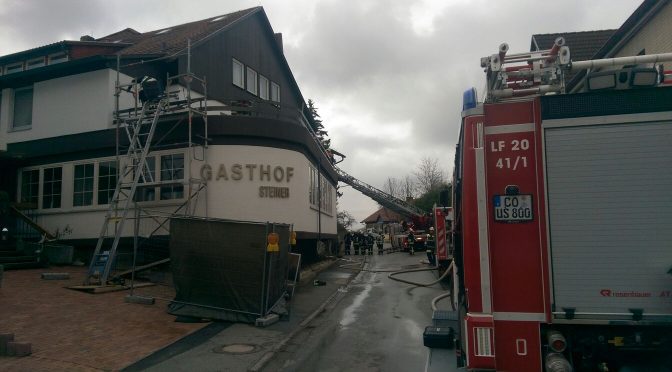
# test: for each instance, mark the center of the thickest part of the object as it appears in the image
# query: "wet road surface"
(374, 324)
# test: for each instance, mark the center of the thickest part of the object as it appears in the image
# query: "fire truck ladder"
(140, 134)
(386, 200)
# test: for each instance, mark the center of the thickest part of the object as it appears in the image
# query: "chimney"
(278, 40)
(87, 38)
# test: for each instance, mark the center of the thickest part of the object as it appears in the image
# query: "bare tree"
(393, 187)
(428, 175)
(345, 219)
(408, 187)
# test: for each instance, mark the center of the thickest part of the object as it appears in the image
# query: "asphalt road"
(375, 324)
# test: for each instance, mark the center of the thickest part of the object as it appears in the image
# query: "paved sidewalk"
(261, 342)
(75, 331)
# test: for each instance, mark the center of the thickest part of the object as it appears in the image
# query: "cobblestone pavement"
(75, 331)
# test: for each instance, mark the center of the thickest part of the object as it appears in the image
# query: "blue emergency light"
(469, 99)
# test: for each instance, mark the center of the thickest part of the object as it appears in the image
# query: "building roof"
(602, 43)
(582, 45)
(383, 215)
(173, 39)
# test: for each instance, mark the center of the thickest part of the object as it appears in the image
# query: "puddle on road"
(349, 315)
(413, 329)
(334, 275)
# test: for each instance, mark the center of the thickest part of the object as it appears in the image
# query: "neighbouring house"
(648, 30)
(381, 219)
(254, 155)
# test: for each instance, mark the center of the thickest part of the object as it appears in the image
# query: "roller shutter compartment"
(610, 218)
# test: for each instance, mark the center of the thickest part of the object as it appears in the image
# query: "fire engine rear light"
(556, 341)
(644, 77)
(557, 363)
(601, 81)
(483, 341)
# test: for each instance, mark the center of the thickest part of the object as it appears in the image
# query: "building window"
(312, 191)
(263, 87)
(35, 63)
(238, 74)
(251, 81)
(320, 194)
(325, 196)
(83, 185)
(57, 58)
(17, 67)
(107, 181)
(275, 92)
(23, 108)
(30, 186)
(147, 193)
(172, 169)
(51, 188)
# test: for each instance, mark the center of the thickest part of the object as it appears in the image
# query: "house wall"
(242, 199)
(655, 36)
(225, 197)
(67, 105)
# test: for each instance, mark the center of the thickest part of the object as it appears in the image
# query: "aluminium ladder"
(140, 133)
(386, 200)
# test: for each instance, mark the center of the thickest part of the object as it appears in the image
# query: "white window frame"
(275, 92)
(27, 198)
(109, 177)
(240, 83)
(58, 58)
(142, 193)
(13, 68)
(170, 178)
(83, 179)
(252, 80)
(263, 87)
(35, 63)
(28, 125)
(52, 194)
(312, 187)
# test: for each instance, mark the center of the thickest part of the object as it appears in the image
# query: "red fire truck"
(563, 214)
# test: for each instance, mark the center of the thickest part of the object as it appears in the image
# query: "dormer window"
(238, 74)
(17, 67)
(275, 92)
(252, 81)
(57, 58)
(35, 63)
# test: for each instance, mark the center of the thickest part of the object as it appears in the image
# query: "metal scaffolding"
(139, 125)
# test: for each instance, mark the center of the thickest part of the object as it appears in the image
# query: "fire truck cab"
(563, 206)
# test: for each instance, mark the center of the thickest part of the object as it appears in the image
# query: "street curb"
(311, 272)
(259, 365)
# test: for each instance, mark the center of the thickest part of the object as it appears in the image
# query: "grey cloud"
(359, 58)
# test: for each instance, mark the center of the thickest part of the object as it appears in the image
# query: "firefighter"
(347, 239)
(369, 243)
(430, 247)
(356, 243)
(379, 243)
(411, 242)
(150, 88)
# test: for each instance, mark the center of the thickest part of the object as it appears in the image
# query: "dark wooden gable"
(250, 41)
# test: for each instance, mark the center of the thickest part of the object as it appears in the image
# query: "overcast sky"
(387, 76)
